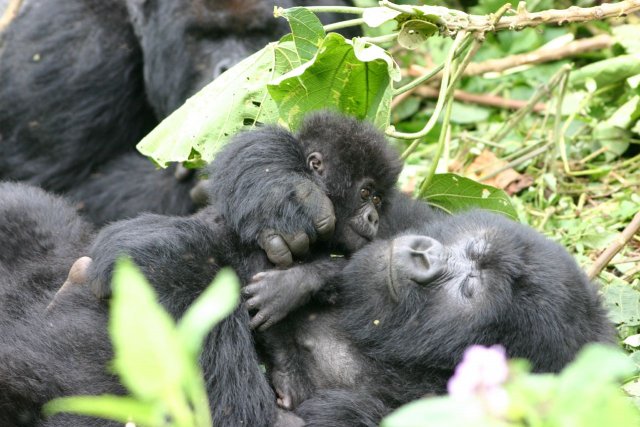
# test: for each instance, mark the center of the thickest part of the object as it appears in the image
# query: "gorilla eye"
(365, 193)
(377, 200)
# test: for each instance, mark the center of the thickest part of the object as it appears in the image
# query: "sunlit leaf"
(454, 193)
(623, 303)
(236, 100)
(306, 30)
(336, 79)
(148, 352)
(213, 305)
(117, 408)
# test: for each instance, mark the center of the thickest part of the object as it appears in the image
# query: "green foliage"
(342, 76)
(584, 394)
(454, 193)
(304, 71)
(156, 359)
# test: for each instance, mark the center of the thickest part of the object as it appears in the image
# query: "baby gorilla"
(278, 191)
(407, 308)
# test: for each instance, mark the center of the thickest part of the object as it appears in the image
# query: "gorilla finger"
(257, 320)
(319, 207)
(259, 276)
(298, 243)
(269, 323)
(276, 249)
(252, 303)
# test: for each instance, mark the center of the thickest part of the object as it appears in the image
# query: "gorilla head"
(357, 168)
(473, 278)
(201, 39)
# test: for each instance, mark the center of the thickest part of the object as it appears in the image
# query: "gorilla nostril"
(372, 217)
(419, 258)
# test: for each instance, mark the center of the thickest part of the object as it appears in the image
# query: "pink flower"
(481, 375)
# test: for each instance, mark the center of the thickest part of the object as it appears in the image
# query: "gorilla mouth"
(391, 277)
(358, 240)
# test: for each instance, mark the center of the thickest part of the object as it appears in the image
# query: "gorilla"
(85, 80)
(54, 342)
(179, 256)
(388, 328)
(389, 309)
(406, 308)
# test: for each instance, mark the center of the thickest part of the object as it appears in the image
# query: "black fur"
(254, 178)
(84, 80)
(46, 352)
(264, 180)
(405, 313)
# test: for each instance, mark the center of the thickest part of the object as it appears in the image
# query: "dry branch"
(620, 242)
(539, 56)
(489, 100)
(451, 21)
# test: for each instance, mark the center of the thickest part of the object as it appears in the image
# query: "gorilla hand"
(273, 294)
(282, 248)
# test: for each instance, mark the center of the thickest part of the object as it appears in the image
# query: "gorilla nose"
(418, 258)
(372, 218)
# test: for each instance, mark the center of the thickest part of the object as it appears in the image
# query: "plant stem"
(542, 91)
(439, 104)
(417, 82)
(451, 21)
(344, 24)
(337, 9)
(439, 149)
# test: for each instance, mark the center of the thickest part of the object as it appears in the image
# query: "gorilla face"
(473, 278)
(201, 39)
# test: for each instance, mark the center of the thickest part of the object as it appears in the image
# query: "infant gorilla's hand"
(274, 294)
(281, 248)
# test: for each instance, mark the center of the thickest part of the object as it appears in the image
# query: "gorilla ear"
(314, 160)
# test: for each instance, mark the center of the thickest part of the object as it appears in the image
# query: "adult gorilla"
(388, 328)
(84, 80)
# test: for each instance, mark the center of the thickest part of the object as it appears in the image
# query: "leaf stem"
(344, 24)
(417, 82)
(439, 104)
(444, 134)
(337, 9)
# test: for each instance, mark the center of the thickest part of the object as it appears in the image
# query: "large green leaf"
(454, 193)
(213, 305)
(306, 30)
(438, 412)
(623, 303)
(236, 100)
(335, 78)
(148, 352)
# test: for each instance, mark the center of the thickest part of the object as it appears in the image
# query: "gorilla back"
(55, 344)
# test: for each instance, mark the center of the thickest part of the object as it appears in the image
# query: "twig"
(539, 56)
(489, 100)
(516, 162)
(544, 54)
(9, 14)
(542, 91)
(451, 21)
(605, 257)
